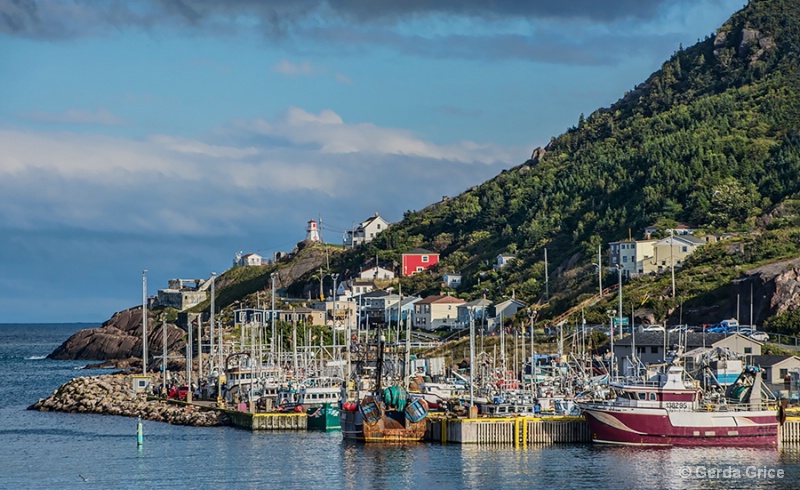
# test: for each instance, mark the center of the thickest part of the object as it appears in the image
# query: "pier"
(268, 421)
(516, 431)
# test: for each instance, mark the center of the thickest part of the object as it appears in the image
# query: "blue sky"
(168, 135)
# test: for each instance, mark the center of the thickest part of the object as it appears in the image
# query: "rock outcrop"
(120, 339)
(113, 395)
(774, 288)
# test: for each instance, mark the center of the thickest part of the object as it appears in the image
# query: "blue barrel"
(416, 410)
(370, 410)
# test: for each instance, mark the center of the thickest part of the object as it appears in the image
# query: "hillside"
(710, 139)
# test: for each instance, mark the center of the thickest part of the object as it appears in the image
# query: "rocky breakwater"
(113, 395)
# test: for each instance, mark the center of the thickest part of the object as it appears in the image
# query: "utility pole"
(671, 259)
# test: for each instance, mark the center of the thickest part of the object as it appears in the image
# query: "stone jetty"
(113, 395)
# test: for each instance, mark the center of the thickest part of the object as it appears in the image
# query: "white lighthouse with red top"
(312, 232)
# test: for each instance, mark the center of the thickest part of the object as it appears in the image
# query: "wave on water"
(35, 358)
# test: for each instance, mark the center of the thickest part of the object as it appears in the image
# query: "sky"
(168, 135)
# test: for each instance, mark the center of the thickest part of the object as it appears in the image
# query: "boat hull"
(324, 417)
(659, 427)
(392, 427)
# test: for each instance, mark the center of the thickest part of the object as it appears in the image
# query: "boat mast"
(379, 361)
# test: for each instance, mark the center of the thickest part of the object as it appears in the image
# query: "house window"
(654, 350)
(624, 259)
(419, 269)
(424, 258)
(748, 350)
(784, 373)
(379, 226)
(685, 249)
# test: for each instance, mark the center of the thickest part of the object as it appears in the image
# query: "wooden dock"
(268, 421)
(528, 431)
(516, 431)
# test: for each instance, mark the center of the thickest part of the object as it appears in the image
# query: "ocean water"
(45, 450)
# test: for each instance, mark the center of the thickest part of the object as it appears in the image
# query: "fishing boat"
(322, 403)
(384, 415)
(668, 410)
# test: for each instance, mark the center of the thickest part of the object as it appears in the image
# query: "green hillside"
(710, 139)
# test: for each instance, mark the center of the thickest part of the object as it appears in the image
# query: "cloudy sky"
(168, 135)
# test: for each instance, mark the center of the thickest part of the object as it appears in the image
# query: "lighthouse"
(312, 232)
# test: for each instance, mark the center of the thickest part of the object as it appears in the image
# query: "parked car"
(759, 336)
(652, 328)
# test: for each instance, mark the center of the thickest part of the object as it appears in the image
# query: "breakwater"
(113, 395)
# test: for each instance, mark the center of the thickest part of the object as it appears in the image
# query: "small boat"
(321, 402)
(670, 411)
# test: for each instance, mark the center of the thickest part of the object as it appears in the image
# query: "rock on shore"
(119, 341)
(113, 395)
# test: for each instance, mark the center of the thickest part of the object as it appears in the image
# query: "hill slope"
(710, 139)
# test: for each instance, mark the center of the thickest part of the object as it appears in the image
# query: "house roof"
(301, 309)
(420, 251)
(409, 300)
(445, 299)
(365, 269)
(768, 361)
(510, 301)
(362, 282)
(482, 302)
(370, 220)
(684, 238)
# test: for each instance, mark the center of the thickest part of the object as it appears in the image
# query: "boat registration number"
(676, 405)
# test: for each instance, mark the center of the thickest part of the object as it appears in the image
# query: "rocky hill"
(119, 340)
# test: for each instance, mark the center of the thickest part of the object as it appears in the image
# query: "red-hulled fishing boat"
(670, 411)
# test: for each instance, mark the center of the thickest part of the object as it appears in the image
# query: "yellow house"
(670, 251)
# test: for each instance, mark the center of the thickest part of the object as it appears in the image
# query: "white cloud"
(330, 134)
(231, 178)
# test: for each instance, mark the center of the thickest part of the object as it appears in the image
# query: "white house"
(248, 260)
(365, 232)
(503, 260)
(359, 287)
(375, 272)
(452, 279)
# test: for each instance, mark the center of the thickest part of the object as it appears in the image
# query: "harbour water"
(59, 450)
